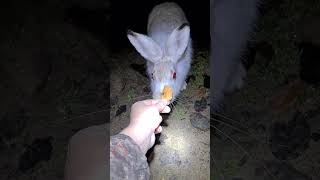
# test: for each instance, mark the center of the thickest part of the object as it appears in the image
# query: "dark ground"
(54, 82)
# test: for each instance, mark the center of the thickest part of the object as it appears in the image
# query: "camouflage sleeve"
(126, 159)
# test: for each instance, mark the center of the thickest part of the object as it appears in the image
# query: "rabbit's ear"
(178, 42)
(146, 46)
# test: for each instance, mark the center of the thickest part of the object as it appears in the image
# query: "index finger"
(150, 101)
(155, 101)
(162, 107)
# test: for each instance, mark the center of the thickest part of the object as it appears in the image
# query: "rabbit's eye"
(174, 75)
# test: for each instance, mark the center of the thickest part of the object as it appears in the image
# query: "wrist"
(128, 131)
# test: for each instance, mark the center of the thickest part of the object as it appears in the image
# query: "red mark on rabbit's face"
(174, 74)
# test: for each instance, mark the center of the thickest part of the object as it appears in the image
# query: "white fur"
(166, 48)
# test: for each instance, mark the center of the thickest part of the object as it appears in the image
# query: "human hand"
(145, 122)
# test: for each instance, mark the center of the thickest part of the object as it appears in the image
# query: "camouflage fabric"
(126, 159)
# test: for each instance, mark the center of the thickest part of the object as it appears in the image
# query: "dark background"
(134, 15)
(53, 81)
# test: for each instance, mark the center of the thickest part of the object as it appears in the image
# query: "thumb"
(161, 105)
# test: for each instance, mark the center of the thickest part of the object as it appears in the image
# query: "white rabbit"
(231, 22)
(167, 48)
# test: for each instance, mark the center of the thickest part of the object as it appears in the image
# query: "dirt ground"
(184, 144)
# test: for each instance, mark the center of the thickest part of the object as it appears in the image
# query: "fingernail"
(166, 109)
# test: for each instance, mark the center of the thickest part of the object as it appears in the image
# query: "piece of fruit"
(167, 93)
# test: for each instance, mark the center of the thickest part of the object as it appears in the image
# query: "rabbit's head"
(163, 60)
